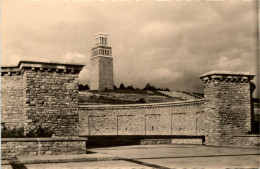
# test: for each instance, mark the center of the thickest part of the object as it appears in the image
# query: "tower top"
(101, 47)
(101, 39)
(100, 34)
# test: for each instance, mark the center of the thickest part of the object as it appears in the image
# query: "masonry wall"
(51, 101)
(106, 73)
(250, 140)
(94, 73)
(227, 110)
(171, 119)
(12, 147)
(12, 100)
(101, 71)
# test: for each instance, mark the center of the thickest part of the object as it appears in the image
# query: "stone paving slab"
(179, 156)
(158, 156)
(60, 159)
(115, 164)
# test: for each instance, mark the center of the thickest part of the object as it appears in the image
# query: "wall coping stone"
(227, 75)
(50, 66)
(141, 106)
(43, 139)
(250, 135)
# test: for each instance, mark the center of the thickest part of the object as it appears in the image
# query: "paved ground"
(166, 156)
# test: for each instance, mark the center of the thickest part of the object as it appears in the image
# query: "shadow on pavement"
(16, 164)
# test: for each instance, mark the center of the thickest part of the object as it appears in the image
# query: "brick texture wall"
(152, 119)
(101, 73)
(250, 140)
(51, 101)
(12, 100)
(227, 106)
(94, 73)
(12, 147)
(41, 94)
(106, 80)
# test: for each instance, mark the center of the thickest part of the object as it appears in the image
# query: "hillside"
(126, 96)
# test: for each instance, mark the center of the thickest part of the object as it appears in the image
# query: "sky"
(164, 43)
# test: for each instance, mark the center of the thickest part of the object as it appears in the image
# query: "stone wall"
(177, 118)
(47, 96)
(12, 147)
(225, 112)
(12, 100)
(227, 106)
(51, 101)
(250, 140)
(172, 141)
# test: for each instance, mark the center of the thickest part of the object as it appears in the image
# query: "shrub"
(7, 132)
(83, 87)
(141, 100)
(38, 131)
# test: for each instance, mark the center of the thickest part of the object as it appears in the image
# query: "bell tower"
(101, 64)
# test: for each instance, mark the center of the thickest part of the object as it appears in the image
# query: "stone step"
(60, 159)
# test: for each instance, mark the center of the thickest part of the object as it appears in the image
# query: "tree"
(122, 86)
(80, 87)
(130, 87)
(86, 87)
(115, 87)
(83, 87)
(149, 87)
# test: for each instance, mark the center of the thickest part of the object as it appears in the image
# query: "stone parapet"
(250, 140)
(226, 76)
(44, 139)
(42, 66)
(13, 147)
(142, 106)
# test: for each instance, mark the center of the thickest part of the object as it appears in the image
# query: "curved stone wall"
(172, 118)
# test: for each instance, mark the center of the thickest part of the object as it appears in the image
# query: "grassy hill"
(125, 96)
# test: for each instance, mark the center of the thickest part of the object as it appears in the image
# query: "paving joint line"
(144, 163)
(225, 155)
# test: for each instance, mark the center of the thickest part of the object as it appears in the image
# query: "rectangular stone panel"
(152, 124)
(126, 125)
(101, 125)
(184, 124)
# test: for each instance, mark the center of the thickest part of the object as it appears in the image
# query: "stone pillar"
(49, 94)
(227, 106)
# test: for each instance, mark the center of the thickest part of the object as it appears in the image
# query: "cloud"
(167, 43)
(224, 63)
(75, 57)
